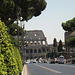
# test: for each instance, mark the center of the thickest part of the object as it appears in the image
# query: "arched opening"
(44, 43)
(39, 42)
(31, 51)
(31, 42)
(39, 51)
(43, 50)
(35, 51)
(27, 51)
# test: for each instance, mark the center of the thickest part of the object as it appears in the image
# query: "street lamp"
(9, 19)
(20, 18)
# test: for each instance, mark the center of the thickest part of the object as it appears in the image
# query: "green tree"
(70, 42)
(8, 61)
(3, 68)
(55, 53)
(69, 25)
(60, 46)
(54, 42)
(13, 29)
(25, 8)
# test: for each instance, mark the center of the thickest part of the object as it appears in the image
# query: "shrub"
(9, 60)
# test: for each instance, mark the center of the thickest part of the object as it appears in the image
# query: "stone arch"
(31, 42)
(39, 42)
(35, 42)
(44, 42)
(43, 49)
(35, 51)
(27, 51)
(39, 50)
(31, 51)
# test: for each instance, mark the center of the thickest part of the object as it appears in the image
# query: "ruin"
(37, 43)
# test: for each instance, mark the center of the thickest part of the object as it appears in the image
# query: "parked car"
(57, 61)
(52, 61)
(27, 62)
(34, 61)
(44, 61)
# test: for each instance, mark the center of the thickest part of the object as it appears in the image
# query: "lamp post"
(53, 53)
(25, 50)
(19, 18)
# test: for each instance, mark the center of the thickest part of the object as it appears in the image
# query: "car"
(57, 61)
(27, 62)
(33, 61)
(44, 61)
(52, 61)
(61, 62)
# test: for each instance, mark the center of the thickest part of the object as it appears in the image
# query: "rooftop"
(34, 35)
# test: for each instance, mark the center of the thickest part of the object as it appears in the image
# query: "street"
(50, 69)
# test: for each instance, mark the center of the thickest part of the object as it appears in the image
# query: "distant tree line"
(56, 49)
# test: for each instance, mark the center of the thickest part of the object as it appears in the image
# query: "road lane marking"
(48, 69)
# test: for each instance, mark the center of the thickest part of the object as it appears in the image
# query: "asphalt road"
(50, 69)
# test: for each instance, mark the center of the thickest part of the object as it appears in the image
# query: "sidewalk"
(24, 72)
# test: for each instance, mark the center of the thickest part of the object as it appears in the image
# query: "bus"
(61, 59)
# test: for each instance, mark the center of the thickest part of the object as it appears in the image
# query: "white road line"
(48, 69)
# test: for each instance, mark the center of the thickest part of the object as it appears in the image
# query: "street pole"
(18, 34)
(19, 17)
(18, 12)
(25, 54)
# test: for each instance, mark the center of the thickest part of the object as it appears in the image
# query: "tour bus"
(61, 59)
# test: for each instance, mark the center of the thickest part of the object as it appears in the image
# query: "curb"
(24, 72)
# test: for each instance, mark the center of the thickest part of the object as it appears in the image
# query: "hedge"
(10, 60)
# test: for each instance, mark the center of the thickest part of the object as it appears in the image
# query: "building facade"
(37, 44)
(70, 50)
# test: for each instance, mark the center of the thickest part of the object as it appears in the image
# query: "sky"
(50, 21)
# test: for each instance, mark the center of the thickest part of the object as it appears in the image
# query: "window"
(34, 34)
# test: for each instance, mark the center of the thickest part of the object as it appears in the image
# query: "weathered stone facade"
(70, 50)
(37, 43)
(69, 34)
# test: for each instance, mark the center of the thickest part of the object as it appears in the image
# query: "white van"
(61, 59)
